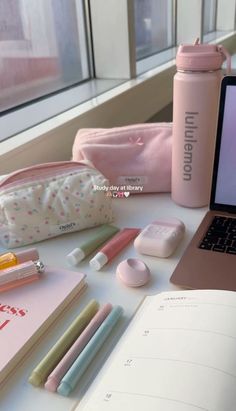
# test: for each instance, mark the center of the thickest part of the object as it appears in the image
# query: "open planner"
(177, 354)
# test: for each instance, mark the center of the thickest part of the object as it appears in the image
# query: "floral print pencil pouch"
(50, 199)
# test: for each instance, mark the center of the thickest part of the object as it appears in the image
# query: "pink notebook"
(26, 312)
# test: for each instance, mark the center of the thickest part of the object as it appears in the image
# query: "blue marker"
(78, 368)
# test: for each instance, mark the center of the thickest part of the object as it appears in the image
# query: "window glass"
(209, 16)
(153, 26)
(42, 48)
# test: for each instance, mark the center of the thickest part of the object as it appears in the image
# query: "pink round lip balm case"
(160, 238)
(133, 272)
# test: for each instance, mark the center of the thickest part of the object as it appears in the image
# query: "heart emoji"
(126, 194)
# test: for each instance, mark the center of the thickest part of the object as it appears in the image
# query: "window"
(154, 33)
(42, 48)
(50, 50)
(153, 26)
(209, 16)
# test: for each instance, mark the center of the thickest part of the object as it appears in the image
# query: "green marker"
(98, 236)
(52, 358)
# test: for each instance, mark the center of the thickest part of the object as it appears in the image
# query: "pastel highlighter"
(82, 362)
(58, 373)
(133, 272)
(41, 372)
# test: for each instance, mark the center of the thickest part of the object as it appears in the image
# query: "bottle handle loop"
(227, 56)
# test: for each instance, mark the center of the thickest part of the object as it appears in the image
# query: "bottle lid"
(75, 256)
(201, 57)
(98, 261)
(31, 254)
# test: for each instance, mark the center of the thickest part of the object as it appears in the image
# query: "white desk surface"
(135, 211)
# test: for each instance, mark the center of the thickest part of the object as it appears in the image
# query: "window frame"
(52, 139)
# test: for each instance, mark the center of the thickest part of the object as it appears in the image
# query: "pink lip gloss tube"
(20, 274)
(113, 247)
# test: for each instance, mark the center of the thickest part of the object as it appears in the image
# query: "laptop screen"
(224, 175)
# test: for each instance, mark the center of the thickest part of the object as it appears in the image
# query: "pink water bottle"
(195, 106)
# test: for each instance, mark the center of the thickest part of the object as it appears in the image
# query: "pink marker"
(63, 366)
(113, 247)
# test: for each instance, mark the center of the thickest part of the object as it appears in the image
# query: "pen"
(47, 364)
(76, 371)
(63, 366)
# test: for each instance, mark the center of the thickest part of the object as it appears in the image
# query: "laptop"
(210, 259)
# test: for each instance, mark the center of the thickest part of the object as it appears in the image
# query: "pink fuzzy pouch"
(134, 158)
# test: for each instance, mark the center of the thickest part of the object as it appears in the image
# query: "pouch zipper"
(103, 132)
(63, 166)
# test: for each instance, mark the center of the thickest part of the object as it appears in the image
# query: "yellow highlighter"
(48, 363)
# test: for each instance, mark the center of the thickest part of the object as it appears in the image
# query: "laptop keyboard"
(221, 235)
